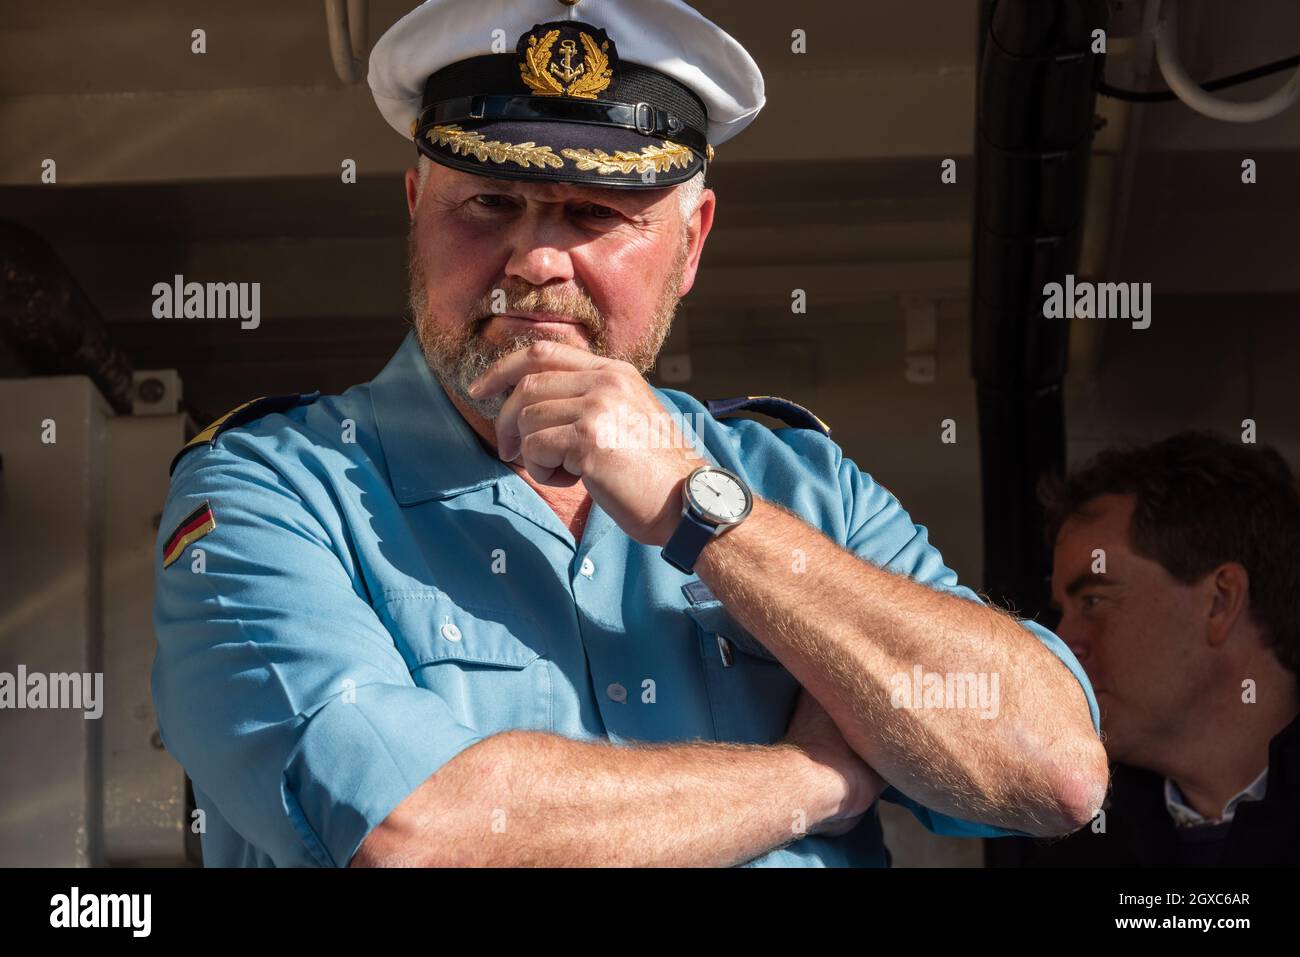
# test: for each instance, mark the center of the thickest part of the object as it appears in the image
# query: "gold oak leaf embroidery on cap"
(468, 143)
(596, 72)
(533, 68)
(547, 78)
(657, 158)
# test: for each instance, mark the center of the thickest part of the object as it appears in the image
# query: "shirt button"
(616, 692)
(588, 567)
(450, 632)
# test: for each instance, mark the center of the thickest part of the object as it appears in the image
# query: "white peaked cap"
(666, 35)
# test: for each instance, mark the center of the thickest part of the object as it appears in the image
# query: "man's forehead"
(1100, 523)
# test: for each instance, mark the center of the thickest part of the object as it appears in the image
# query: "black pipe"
(1034, 127)
(50, 324)
(1036, 88)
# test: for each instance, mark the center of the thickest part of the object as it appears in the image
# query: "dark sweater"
(1140, 832)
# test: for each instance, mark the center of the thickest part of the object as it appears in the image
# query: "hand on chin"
(558, 479)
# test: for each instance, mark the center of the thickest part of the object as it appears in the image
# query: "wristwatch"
(714, 501)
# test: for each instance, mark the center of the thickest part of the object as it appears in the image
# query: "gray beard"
(458, 357)
(456, 368)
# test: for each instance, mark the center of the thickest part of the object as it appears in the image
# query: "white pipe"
(357, 28)
(346, 26)
(1190, 92)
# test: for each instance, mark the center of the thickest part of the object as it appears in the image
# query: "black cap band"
(642, 117)
(639, 98)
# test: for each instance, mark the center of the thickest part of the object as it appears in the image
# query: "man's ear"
(697, 230)
(412, 191)
(1229, 600)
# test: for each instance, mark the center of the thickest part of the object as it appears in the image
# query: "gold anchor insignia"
(583, 81)
(568, 74)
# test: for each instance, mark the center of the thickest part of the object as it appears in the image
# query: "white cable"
(1190, 92)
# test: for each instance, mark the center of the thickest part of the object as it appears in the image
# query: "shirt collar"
(1185, 816)
(431, 450)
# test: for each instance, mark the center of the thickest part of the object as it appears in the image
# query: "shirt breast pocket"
(489, 665)
(751, 693)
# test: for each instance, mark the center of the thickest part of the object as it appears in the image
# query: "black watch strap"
(682, 550)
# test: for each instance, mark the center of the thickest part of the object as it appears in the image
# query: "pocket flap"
(714, 618)
(429, 627)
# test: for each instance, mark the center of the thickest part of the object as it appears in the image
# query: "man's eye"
(596, 211)
(1089, 601)
(490, 200)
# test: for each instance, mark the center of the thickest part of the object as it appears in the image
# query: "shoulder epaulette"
(791, 413)
(242, 415)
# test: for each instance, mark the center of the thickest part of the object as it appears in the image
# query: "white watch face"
(719, 496)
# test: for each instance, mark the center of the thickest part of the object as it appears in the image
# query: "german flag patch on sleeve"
(192, 527)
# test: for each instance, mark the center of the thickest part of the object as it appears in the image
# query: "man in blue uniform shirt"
(509, 604)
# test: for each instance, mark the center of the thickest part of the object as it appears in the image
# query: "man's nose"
(1074, 638)
(537, 255)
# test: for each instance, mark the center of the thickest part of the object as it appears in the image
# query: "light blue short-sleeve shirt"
(379, 592)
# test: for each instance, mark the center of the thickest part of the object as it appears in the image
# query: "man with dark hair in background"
(1176, 568)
